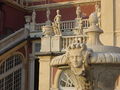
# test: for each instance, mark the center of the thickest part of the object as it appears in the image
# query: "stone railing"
(60, 43)
(38, 26)
(85, 23)
(66, 25)
(67, 40)
(13, 38)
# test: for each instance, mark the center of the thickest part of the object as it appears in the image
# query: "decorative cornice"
(60, 4)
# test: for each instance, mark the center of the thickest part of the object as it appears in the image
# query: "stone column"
(44, 72)
(31, 72)
(107, 21)
(25, 75)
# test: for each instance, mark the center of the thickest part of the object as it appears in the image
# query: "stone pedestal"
(56, 43)
(32, 26)
(45, 44)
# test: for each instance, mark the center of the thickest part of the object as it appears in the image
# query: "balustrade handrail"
(13, 38)
(74, 36)
(69, 24)
(20, 3)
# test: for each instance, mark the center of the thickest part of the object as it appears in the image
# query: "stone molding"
(60, 4)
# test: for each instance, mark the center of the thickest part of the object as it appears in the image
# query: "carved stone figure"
(78, 12)
(78, 22)
(98, 12)
(33, 16)
(28, 20)
(78, 58)
(78, 26)
(56, 24)
(48, 14)
(48, 22)
(117, 84)
(32, 24)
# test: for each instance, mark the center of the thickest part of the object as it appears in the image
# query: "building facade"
(38, 36)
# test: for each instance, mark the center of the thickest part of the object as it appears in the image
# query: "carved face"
(75, 58)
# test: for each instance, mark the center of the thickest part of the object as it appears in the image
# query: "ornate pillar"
(44, 72)
(31, 72)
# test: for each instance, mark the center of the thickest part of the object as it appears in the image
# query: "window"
(37, 47)
(11, 73)
(66, 80)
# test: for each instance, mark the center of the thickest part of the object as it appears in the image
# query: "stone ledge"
(49, 53)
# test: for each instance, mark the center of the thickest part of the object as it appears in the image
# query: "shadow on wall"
(7, 31)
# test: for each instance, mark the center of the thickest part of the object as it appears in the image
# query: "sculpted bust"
(78, 57)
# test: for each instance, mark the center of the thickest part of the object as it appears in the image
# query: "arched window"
(66, 80)
(11, 73)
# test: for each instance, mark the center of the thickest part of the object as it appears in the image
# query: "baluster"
(60, 25)
(84, 23)
(80, 41)
(63, 43)
(63, 25)
(70, 25)
(87, 23)
(66, 25)
(70, 41)
(66, 43)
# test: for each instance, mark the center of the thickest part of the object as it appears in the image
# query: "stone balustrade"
(66, 25)
(38, 26)
(67, 40)
(85, 23)
(60, 43)
(21, 2)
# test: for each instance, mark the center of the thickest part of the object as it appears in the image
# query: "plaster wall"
(11, 18)
(107, 22)
(117, 22)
